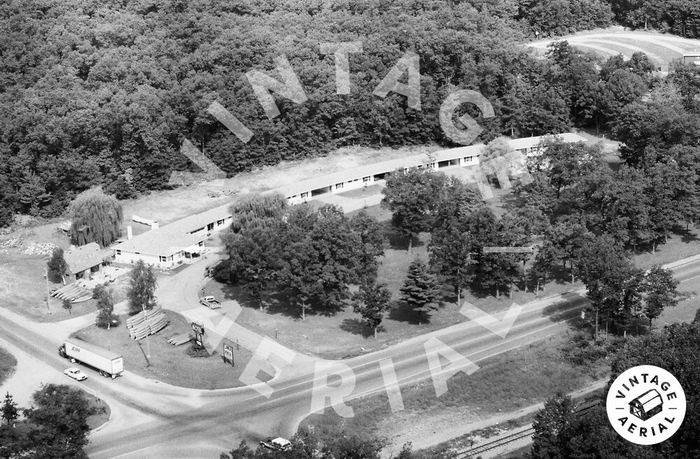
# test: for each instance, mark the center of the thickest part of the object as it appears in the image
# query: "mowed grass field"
(661, 48)
(169, 364)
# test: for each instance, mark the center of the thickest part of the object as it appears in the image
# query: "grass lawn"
(169, 363)
(23, 290)
(504, 383)
(7, 364)
(350, 336)
(102, 411)
(680, 245)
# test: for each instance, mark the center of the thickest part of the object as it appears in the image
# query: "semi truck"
(108, 363)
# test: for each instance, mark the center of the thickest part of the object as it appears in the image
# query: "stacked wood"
(73, 292)
(146, 323)
(179, 340)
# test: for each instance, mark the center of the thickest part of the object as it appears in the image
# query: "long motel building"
(183, 241)
(376, 173)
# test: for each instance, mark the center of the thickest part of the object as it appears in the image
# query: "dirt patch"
(169, 363)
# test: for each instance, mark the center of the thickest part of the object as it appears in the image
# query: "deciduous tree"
(95, 217)
(57, 266)
(371, 302)
(142, 287)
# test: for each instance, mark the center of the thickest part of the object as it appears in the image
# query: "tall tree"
(612, 282)
(372, 237)
(59, 422)
(371, 302)
(105, 307)
(57, 266)
(552, 426)
(451, 256)
(420, 290)
(659, 291)
(95, 217)
(142, 287)
(9, 409)
(413, 197)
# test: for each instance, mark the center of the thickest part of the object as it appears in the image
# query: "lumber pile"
(179, 340)
(146, 323)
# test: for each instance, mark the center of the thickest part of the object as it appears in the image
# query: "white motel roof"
(409, 161)
(176, 236)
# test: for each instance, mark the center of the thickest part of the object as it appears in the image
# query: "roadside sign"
(228, 354)
(198, 328)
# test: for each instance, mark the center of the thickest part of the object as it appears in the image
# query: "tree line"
(560, 432)
(55, 426)
(310, 253)
(94, 94)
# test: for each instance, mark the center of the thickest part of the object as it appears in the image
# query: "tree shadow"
(687, 236)
(357, 327)
(567, 311)
(398, 240)
(401, 312)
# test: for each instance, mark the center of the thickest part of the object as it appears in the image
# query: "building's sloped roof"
(84, 257)
(196, 221)
(176, 236)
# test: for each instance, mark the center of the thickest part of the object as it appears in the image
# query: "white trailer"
(108, 363)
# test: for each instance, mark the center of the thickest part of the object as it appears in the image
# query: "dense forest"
(95, 93)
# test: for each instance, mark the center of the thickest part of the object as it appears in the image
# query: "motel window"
(137, 253)
(219, 222)
(432, 165)
(305, 194)
(338, 186)
(162, 258)
(366, 179)
(119, 252)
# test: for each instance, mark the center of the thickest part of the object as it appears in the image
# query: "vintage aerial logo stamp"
(646, 405)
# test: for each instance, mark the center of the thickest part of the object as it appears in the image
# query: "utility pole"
(148, 339)
(46, 278)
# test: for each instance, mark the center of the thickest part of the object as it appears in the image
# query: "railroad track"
(524, 433)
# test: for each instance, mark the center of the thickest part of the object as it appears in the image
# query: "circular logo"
(646, 405)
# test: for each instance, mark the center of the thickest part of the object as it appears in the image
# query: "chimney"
(154, 225)
(129, 232)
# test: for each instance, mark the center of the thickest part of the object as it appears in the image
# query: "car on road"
(277, 444)
(75, 373)
(210, 302)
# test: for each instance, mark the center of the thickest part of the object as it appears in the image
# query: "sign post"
(198, 333)
(227, 355)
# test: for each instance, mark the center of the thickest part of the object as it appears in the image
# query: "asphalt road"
(178, 422)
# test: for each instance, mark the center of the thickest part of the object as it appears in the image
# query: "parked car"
(210, 302)
(277, 444)
(75, 373)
